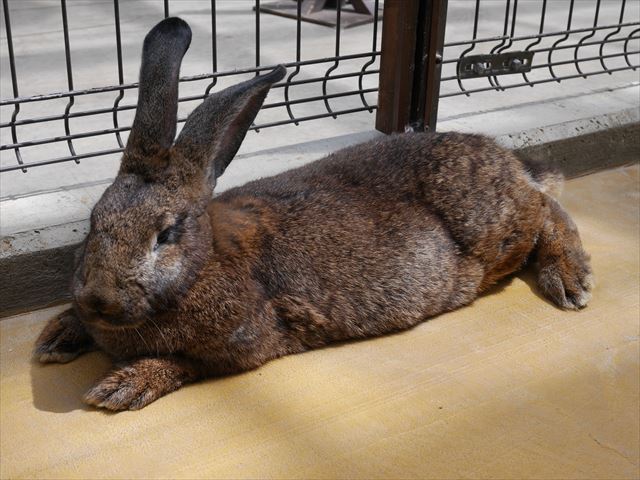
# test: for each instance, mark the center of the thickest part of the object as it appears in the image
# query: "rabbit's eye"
(171, 234)
(163, 236)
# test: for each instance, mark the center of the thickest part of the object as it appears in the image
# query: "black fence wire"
(503, 52)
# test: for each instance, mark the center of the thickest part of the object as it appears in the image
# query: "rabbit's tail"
(544, 178)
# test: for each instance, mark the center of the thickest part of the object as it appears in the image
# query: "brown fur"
(372, 239)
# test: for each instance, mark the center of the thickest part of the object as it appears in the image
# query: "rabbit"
(176, 285)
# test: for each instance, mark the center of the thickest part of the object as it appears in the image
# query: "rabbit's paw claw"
(567, 283)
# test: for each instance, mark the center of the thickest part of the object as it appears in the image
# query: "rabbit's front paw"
(567, 282)
(136, 385)
(62, 339)
(122, 389)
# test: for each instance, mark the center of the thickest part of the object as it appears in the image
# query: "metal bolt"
(515, 65)
(425, 57)
(479, 68)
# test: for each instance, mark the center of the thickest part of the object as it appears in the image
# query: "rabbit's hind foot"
(564, 274)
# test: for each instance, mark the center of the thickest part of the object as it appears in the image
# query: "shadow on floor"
(59, 387)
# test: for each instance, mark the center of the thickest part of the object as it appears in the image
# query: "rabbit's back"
(475, 186)
(379, 236)
(479, 192)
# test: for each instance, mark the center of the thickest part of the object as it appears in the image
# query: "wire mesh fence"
(490, 47)
(308, 82)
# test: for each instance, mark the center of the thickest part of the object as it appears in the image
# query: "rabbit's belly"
(380, 284)
(427, 280)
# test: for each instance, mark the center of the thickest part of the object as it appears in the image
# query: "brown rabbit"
(177, 286)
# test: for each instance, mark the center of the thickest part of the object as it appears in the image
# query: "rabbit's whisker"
(161, 335)
(143, 340)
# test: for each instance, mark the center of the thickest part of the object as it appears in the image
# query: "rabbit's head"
(150, 233)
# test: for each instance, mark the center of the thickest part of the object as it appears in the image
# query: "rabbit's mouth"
(113, 322)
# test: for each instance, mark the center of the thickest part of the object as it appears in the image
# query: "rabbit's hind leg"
(564, 275)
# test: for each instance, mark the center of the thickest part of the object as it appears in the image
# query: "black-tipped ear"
(154, 126)
(214, 131)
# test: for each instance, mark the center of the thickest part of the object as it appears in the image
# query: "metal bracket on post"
(411, 63)
(493, 65)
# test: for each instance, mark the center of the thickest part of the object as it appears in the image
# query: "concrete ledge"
(35, 279)
(584, 154)
(35, 265)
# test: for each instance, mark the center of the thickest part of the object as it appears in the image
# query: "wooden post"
(410, 67)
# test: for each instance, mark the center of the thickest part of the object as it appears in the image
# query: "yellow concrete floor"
(509, 387)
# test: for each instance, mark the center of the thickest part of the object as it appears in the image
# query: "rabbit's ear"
(154, 126)
(214, 131)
